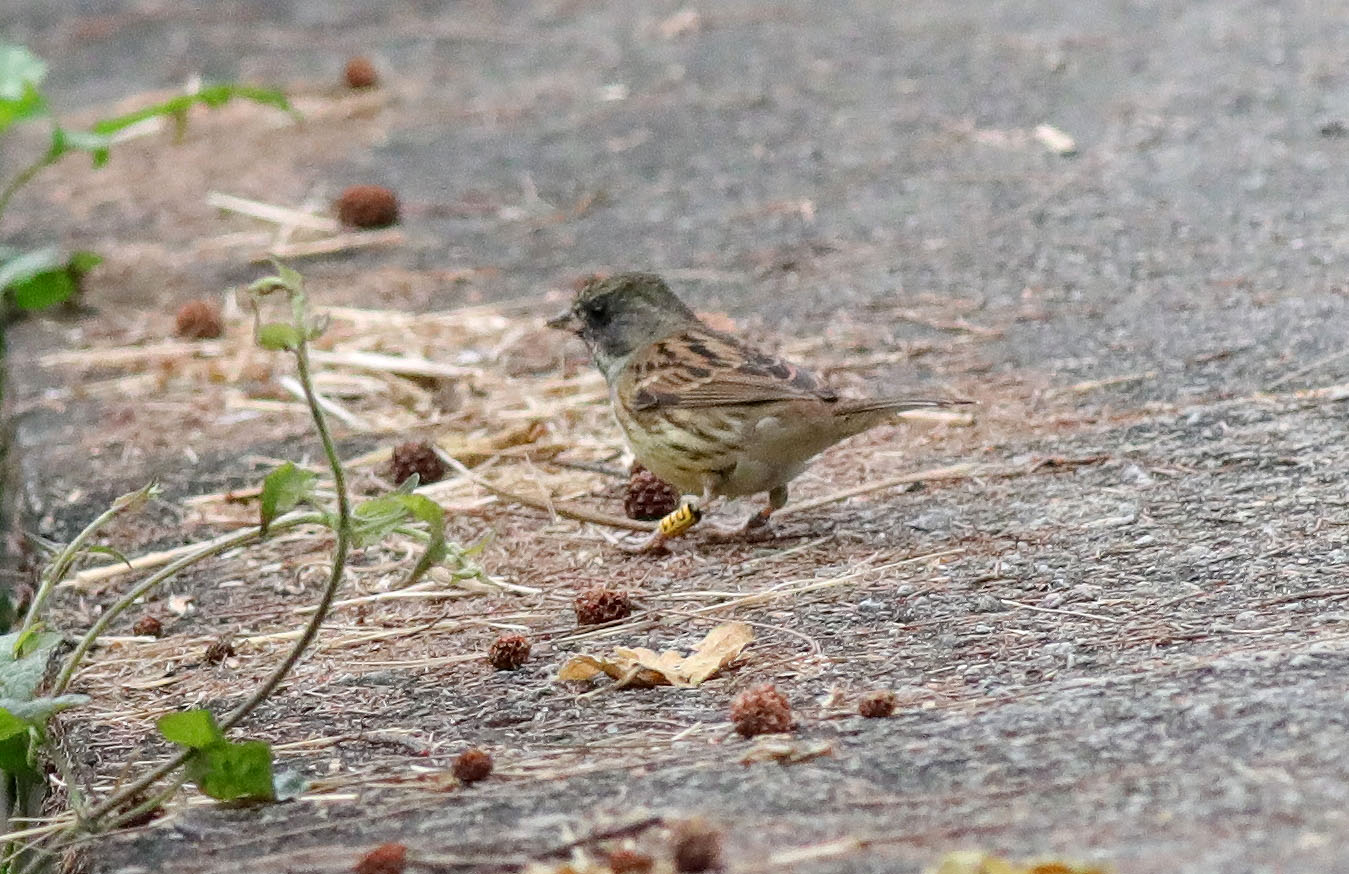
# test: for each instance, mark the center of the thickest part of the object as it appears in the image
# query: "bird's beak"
(565, 321)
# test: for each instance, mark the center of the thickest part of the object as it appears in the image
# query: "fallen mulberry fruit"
(385, 859)
(649, 497)
(418, 458)
(761, 710)
(199, 320)
(697, 847)
(148, 626)
(473, 765)
(367, 206)
(630, 862)
(360, 73)
(508, 652)
(877, 705)
(599, 605)
(218, 651)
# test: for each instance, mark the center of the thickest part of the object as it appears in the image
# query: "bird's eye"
(597, 311)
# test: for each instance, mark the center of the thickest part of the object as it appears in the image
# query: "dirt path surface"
(1115, 619)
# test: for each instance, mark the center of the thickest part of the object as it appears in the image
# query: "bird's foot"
(674, 524)
(755, 529)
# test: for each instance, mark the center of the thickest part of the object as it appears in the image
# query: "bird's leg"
(678, 521)
(756, 526)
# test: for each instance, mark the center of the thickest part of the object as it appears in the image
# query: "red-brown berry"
(418, 458)
(219, 650)
(199, 320)
(761, 710)
(473, 765)
(148, 626)
(367, 206)
(387, 858)
(630, 862)
(697, 847)
(508, 652)
(360, 73)
(599, 605)
(649, 497)
(877, 705)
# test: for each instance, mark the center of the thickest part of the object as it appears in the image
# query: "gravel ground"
(1134, 655)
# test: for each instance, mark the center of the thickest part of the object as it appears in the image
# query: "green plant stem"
(23, 177)
(56, 571)
(340, 550)
(311, 629)
(241, 538)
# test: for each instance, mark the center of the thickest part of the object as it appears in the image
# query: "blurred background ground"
(1132, 655)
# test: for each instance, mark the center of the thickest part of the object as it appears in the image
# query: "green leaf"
(43, 277)
(212, 96)
(65, 141)
(109, 551)
(34, 713)
(21, 72)
(234, 771)
(279, 337)
(283, 489)
(23, 659)
(190, 728)
(14, 755)
(375, 519)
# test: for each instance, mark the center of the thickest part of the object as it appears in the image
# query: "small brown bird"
(703, 410)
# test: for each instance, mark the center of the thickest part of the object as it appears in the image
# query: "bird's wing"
(699, 367)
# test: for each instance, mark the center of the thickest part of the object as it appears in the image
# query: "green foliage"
(223, 769)
(44, 277)
(24, 715)
(21, 72)
(283, 489)
(47, 276)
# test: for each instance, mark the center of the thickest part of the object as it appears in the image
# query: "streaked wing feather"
(700, 367)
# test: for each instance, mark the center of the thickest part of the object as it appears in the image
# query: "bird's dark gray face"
(619, 314)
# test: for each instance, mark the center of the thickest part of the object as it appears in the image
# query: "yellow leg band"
(680, 520)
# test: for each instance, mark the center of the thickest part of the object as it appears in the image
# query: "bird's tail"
(894, 405)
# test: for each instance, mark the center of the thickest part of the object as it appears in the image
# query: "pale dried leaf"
(787, 752)
(978, 862)
(644, 667)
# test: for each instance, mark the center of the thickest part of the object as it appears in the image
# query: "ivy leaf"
(23, 658)
(195, 729)
(34, 713)
(234, 771)
(283, 489)
(21, 72)
(41, 278)
(279, 337)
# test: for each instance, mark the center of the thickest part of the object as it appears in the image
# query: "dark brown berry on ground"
(697, 847)
(360, 73)
(367, 206)
(219, 651)
(148, 626)
(877, 705)
(508, 652)
(418, 458)
(387, 858)
(761, 710)
(630, 862)
(599, 605)
(199, 320)
(473, 765)
(649, 497)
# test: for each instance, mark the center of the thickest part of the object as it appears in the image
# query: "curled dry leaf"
(787, 752)
(976, 862)
(643, 667)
